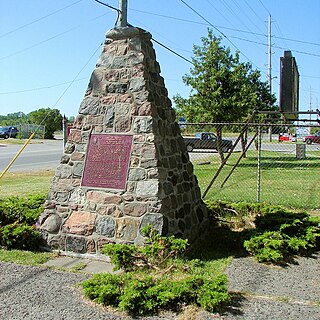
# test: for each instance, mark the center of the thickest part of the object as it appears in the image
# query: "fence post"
(259, 165)
(64, 130)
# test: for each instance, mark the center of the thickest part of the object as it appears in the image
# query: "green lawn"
(25, 183)
(284, 179)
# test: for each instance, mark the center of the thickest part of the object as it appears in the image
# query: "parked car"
(206, 140)
(315, 138)
(8, 132)
(287, 137)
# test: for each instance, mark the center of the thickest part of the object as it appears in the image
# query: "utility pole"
(269, 54)
(310, 104)
(123, 6)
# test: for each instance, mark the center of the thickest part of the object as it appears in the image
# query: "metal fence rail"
(25, 130)
(278, 167)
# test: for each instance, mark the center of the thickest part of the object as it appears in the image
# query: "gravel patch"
(272, 292)
(35, 293)
(265, 292)
(41, 293)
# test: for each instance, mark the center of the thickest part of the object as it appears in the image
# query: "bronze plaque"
(107, 161)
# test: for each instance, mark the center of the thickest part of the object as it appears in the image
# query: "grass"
(25, 257)
(19, 141)
(25, 183)
(284, 179)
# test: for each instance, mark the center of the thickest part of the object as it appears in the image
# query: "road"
(46, 154)
(41, 154)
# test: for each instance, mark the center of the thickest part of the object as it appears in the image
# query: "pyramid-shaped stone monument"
(125, 164)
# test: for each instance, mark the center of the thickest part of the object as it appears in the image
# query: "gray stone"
(147, 188)
(109, 118)
(77, 197)
(78, 169)
(65, 159)
(52, 224)
(76, 244)
(137, 84)
(69, 147)
(142, 125)
(64, 171)
(89, 106)
(155, 220)
(148, 163)
(117, 87)
(136, 174)
(62, 196)
(106, 226)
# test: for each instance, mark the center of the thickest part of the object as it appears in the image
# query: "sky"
(48, 49)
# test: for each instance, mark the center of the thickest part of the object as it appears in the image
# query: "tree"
(223, 89)
(51, 118)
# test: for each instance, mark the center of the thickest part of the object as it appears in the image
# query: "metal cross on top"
(123, 5)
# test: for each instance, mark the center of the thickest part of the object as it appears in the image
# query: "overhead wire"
(111, 7)
(223, 27)
(197, 13)
(49, 39)
(177, 54)
(41, 88)
(265, 7)
(39, 19)
(70, 84)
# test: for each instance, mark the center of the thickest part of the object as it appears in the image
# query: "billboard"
(289, 87)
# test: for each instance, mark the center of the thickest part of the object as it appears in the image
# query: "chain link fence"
(277, 164)
(26, 129)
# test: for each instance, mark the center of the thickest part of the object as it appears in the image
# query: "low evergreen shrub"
(156, 277)
(17, 222)
(273, 233)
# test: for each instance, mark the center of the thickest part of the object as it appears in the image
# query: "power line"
(277, 47)
(48, 39)
(38, 43)
(111, 7)
(223, 27)
(265, 7)
(39, 19)
(40, 88)
(75, 78)
(197, 13)
(172, 51)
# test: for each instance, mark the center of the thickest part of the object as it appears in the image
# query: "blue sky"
(45, 44)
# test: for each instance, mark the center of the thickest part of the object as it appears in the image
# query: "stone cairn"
(125, 164)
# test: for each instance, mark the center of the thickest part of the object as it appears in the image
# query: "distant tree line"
(50, 118)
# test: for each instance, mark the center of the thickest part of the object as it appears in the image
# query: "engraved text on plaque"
(107, 161)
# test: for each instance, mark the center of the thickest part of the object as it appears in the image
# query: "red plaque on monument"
(107, 161)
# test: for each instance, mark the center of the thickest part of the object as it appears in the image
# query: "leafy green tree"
(223, 89)
(51, 118)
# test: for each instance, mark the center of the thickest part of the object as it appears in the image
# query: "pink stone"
(135, 209)
(103, 198)
(80, 222)
(75, 135)
(146, 110)
(109, 99)
(77, 156)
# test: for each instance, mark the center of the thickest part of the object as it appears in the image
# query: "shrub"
(156, 254)
(156, 278)
(269, 233)
(146, 294)
(281, 234)
(17, 219)
(26, 210)
(20, 236)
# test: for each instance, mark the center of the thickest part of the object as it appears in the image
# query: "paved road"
(42, 154)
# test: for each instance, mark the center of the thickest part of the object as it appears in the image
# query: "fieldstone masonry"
(126, 96)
